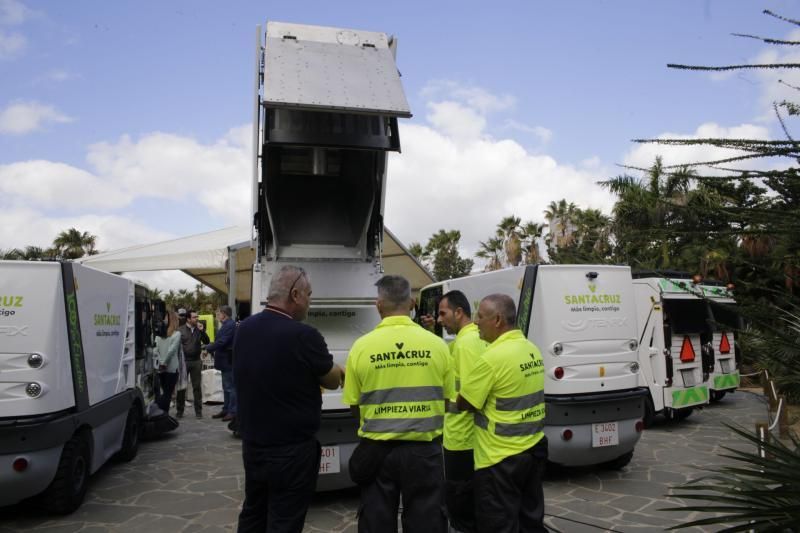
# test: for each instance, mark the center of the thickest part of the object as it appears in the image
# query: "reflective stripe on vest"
(520, 402)
(401, 394)
(403, 425)
(520, 429)
(452, 408)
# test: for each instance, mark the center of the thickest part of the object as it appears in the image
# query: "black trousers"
(166, 386)
(509, 496)
(413, 471)
(459, 469)
(279, 483)
(194, 368)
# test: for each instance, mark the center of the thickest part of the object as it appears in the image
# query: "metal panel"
(316, 67)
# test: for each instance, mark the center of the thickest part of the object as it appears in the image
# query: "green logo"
(107, 319)
(11, 301)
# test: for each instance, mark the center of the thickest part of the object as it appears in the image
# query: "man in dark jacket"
(222, 348)
(192, 338)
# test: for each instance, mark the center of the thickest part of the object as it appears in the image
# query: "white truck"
(75, 353)
(582, 319)
(675, 362)
(724, 322)
(327, 102)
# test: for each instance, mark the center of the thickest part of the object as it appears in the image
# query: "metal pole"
(232, 280)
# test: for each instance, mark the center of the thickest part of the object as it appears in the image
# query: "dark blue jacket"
(222, 347)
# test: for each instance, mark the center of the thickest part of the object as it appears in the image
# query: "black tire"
(65, 494)
(620, 462)
(649, 412)
(717, 395)
(682, 414)
(133, 434)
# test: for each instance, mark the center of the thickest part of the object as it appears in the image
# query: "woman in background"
(168, 353)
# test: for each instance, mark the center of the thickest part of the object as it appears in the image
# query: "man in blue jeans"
(222, 348)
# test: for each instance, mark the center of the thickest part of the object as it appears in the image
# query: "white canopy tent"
(205, 258)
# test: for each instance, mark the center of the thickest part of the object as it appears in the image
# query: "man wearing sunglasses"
(279, 367)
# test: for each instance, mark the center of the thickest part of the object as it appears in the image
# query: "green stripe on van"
(689, 397)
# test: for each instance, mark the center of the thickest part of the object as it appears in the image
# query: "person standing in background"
(192, 340)
(168, 350)
(222, 348)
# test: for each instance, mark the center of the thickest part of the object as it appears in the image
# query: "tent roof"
(204, 258)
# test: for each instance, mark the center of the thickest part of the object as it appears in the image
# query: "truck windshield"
(686, 316)
(725, 317)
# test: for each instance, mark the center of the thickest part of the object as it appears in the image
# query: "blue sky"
(131, 119)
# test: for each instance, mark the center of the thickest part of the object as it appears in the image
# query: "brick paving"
(192, 481)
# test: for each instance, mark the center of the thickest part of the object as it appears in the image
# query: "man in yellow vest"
(506, 390)
(398, 380)
(455, 315)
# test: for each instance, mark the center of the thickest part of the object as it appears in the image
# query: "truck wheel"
(717, 395)
(620, 462)
(682, 414)
(66, 492)
(133, 433)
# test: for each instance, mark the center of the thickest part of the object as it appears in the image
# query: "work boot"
(198, 414)
(227, 418)
(179, 414)
(221, 414)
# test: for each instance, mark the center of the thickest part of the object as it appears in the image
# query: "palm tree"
(72, 244)
(491, 250)
(510, 232)
(531, 235)
(560, 217)
(11, 253)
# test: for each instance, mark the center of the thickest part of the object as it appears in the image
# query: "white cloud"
(13, 12)
(216, 177)
(452, 175)
(52, 185)
(58, 75)
(23, 226)
(643, 155)
(11, 44)
(163, 165)
(476, 98)
(24, 117)
(543, 134)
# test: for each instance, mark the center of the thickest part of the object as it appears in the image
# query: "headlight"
(558, 349)
(33, 389)
(35, 360)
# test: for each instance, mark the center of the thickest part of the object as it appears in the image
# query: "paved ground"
(191, 481)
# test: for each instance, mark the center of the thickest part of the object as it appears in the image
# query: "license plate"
(726, 366)
(329, 462)
(605, 434)
(688, 378)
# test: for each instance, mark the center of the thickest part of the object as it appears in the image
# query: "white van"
(71, 339)
(583, 320)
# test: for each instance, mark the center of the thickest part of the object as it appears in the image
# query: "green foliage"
(200, 300)
(441, 255)
(72, 244)
(753, 493)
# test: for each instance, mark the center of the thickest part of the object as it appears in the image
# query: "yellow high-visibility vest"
(507, 387)
(465, 351)
(399, 376)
